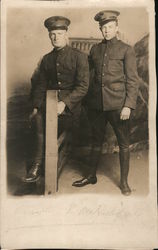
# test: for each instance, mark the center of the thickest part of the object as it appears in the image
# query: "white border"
(39, 221)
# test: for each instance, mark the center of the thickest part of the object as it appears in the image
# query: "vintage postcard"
(78, 124)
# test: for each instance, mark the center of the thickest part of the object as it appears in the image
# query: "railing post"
(51, 154)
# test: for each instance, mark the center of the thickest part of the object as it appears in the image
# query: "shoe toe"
(84, 181)
(125, 190)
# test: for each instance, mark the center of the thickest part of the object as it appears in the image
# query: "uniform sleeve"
(34, 80)
(81, 82)
(132, 79)
(39, 91)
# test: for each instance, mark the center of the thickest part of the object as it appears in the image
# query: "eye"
(51, 34)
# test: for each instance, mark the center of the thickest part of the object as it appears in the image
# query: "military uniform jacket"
(66, 71)
(113, 76)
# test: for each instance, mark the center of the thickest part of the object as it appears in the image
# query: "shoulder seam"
(126, 44)
(47, 54)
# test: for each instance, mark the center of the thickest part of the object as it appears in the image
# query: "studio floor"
(107, 175)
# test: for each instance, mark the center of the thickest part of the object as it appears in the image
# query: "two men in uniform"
(112, 93)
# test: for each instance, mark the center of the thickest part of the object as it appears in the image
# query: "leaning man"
(65, 70)
(111, 97)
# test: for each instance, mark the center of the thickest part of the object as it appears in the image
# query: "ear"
(100, 27)
(66, 33)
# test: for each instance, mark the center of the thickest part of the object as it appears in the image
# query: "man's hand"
(125, 113)
(61, 107)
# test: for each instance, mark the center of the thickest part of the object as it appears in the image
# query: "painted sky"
(133, 22)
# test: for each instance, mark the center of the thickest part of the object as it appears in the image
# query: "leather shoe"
(34, 173)
(85, 181)
(125, 189)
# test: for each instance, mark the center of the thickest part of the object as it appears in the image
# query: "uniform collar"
(62, 50)
(112, 41)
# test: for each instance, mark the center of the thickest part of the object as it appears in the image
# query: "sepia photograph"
(87, 98)
(78, 123)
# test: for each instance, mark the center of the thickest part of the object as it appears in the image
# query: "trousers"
(98, 121)
(66, 122)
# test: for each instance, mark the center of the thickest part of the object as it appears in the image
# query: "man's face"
(58, 38)
(109, 30)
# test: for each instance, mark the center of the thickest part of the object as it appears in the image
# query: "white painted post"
(51, 154)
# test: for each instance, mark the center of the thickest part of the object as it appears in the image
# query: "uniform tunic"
(114, 81)
(67, 71)
(113, 85)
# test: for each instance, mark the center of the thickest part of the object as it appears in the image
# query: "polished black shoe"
(125, 189)
(34, 173)
(85, 181)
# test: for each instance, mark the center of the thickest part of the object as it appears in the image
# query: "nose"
(54, 37)
(57, 37)
(106, 29)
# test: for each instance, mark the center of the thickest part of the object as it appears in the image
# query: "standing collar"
(59, 51)
(112, 41)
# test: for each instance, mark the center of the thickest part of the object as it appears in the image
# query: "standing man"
(112, 96)
(66, 70)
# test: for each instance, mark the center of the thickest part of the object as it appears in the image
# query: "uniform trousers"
(66, 122)
(98, 121)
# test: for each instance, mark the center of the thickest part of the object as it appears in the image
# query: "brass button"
(59, 83)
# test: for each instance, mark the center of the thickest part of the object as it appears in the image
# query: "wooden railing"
(56, 153)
